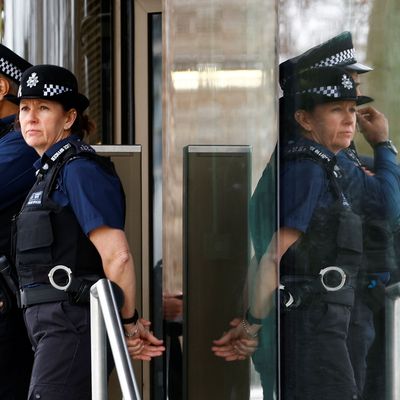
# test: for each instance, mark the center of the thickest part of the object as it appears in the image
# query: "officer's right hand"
(373, 125)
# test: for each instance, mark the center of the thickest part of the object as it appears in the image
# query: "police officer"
(73, 216)
(16, 177)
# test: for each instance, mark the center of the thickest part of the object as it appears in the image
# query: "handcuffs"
(68, 273)
(328, 270)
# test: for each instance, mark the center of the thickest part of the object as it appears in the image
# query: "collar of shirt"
(52, 150)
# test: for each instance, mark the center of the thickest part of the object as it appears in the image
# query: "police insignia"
(35, 198)
(32, 80)
(346, 82)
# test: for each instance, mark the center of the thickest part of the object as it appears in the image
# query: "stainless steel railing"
(104, 319)
(392, 316)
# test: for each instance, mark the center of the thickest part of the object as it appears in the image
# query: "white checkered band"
(342, 57)
(50, 89)
(10, 69)
(329, 91)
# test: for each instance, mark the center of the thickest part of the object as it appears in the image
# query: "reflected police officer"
(312, 205)
(366, 334)
(316, 231)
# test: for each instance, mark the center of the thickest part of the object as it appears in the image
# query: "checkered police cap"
(321, 85)
(11, 64)
(338, 51)
(52, 82)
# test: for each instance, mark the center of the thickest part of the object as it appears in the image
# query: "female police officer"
(318, 245)
(73, 216)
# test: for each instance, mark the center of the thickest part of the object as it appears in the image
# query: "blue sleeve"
(302, 186)
(17, 173)
(379, 194)
(94, 195)
(387, 172)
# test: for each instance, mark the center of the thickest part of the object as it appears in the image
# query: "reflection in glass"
(216, 256)
(220, 89)
(75, 34)
(307, 23)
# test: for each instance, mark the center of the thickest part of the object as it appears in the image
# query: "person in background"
(17, 175)
(73, 216)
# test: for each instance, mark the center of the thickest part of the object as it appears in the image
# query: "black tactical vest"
(47, 234)
(334, 236)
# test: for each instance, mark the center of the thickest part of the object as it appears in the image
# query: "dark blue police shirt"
(377, 195)
(94, 195)
(304, 187)
(17, 174)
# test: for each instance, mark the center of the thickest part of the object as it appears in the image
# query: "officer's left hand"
(144, 345)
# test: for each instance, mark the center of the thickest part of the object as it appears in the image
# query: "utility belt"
(40, 294)
(64, 287)
(333, 284)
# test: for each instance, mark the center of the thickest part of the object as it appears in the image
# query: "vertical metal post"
(392, 316)
(116, 337)
(98, 348)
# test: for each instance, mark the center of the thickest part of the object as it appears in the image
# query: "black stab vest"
(47, 234)
(334, 236)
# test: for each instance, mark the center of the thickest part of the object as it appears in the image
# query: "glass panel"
(220, 89)
(350, 323)
(216, 258)
(162, 367)
(75, 34)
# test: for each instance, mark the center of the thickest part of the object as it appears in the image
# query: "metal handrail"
(104, 318)
(392, 317)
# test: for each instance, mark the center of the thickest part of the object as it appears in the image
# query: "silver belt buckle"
(53, 282)
(334, 269)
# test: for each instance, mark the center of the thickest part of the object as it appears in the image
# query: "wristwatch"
(389, 144)
(131, 320)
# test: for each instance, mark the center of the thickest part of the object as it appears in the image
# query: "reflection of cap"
(336, 52)
(11, 64)
(51, 82)
(320, 85)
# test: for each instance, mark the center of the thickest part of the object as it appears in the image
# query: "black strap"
(39, 295)
(69, 152)
(352, 154)
(327, 162)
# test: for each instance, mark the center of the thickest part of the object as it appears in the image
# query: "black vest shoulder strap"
(309, 152)
(71, 151)
(351, 153)
(67, 153)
